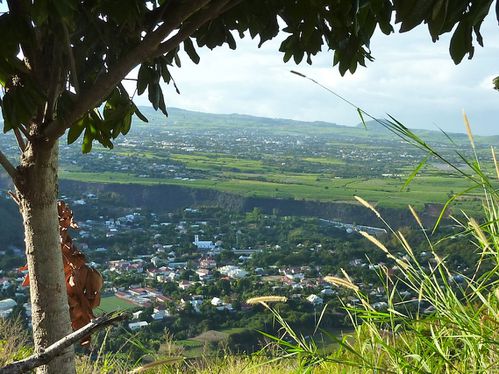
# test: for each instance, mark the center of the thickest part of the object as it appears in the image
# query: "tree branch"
(14, 197)
(198, 20)
(9, 168)
(20, 140)
(58, 347)
(24, 131)
(93, 96)
(72, 62)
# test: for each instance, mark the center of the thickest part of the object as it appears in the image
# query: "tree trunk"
(37, 194)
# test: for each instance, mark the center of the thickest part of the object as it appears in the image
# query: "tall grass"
(15, 343)
(452, 323)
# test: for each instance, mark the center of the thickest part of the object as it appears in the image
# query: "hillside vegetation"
(277, 158)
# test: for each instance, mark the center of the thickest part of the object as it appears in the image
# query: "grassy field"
(112, 303)
(384, 191)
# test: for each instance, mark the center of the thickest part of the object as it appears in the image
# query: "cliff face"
(168, 198)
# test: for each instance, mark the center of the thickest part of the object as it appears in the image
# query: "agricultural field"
(280, 159)
(386, 192)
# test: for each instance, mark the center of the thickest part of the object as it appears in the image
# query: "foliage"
(452, 324)
(14, 341)
(76, 53)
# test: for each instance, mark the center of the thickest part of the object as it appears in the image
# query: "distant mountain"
(373, 125)
(176, 115)
(181, 118)
(376, 126)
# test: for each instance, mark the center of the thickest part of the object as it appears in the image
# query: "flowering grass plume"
(367, 205)
(341, 282)
(266, 299)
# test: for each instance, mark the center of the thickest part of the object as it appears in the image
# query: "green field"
(384, 191)
(113, 303)
(333, 168)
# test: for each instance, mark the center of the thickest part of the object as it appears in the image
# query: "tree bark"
(37, 192)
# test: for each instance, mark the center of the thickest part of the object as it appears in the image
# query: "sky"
(411, 78)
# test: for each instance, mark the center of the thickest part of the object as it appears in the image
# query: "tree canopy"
(61, 60)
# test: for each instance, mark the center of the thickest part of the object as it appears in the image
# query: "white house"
(7, 304)
(159, 314)
(237, 273)
(203, 244)
(136, 315)
(137, 325)
(216, 301)
(6, 307)
(328, 292)
(314, 299)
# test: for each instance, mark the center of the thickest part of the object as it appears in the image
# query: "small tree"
(62, 63)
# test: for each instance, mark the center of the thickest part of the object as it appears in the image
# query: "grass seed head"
(367, 205)
(375, 241)
(341, 282)
(266, 299)
(416, 216)
(479, 233)
(495, 161)
(468, 129)
(405, 243)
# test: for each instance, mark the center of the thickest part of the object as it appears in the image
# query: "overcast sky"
(411, 78)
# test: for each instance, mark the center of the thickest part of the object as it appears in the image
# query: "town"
(185, 266)
(192, 270)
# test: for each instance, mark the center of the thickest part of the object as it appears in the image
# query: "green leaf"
(298, 56)
(20, 104)
(177, 60)
(143, 78)
(191, 51)
(8, 113)
(287, 56)
(154, 95)
(414, 12)
(495, 81)
(75, 131)
(415, 172)
(127, 123)
(230, 40)
(10, 36)
(162, 105)
(106, 142)
(139, 114)
(86, 146)
(437, 20)
(359, 111)
(461, 42)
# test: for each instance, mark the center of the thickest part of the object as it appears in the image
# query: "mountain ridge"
(373, 127)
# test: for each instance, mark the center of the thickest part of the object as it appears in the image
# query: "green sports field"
(112, 304)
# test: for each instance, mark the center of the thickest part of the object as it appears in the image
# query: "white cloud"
(411, 78)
